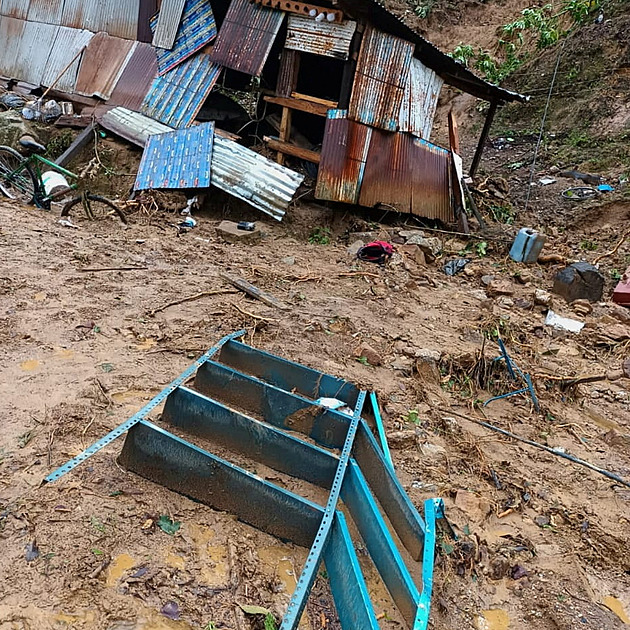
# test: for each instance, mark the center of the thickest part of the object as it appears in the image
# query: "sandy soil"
(541, 540)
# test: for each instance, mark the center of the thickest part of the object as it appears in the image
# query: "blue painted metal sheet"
(175, 97)
(380, 427)
(177, 159)
(196, 30)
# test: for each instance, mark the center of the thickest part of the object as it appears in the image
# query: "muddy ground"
(541, 540)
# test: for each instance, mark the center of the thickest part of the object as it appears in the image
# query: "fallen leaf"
(254, 610)
(168, 526)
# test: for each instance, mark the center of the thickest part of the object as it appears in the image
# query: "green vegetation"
(320, 236)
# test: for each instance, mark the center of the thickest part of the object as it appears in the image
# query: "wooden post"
(285, 131)
(81, 141)
(456, 181)
(483, 138)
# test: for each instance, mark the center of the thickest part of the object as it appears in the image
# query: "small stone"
(625, 366)
(399, 312)
(524, 276)
(402, 364)
(542, 520)
(289, 260)
(402, 439)
(523, 303)
(229, 232)
(505, 302)
(542, 298)
(486, 280)
(366, 237)
(433, 451)
(578, 281)
(582, 307)
(621, 314)
(371, 355)
(478, 294)
(499, 287)
(427, 365)
(355, 247)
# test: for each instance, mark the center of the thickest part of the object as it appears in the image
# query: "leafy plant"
(270, 622)
(320, 236)
(97, 524)
(502, 214)
(413, 416)
(588, 246)
(615, 275)
(167, 525)
(481, 248)
(363, 360)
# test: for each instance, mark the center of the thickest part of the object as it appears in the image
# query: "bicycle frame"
(43, 200)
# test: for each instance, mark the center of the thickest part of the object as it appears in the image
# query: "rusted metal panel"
(328, 39)
(114, 17)
(422, 91)
(246, 37)
(130, 125)
(344, 154)
(17, 9)
(34, 46)
(197, 29)
(10, 36)
(67, 44)
(288, 72)
(136, 79)
(102, 64)
(175, 98)
(379, 82)
(148, 8)
(168, 20)
(407, 174)
(48, 11)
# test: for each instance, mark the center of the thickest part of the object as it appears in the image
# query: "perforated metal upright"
(345, 459)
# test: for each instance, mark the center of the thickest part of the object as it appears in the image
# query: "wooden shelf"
(310, 107)
(291, 149)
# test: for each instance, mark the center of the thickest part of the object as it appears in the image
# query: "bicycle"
(21, 180)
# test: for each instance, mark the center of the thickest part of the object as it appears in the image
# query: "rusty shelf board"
(317, 109)
(291, 149)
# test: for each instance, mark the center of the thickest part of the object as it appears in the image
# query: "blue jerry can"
(527, 245)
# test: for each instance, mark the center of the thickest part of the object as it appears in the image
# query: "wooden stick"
(52, 85)
(553, 451)
(254, 316)
(253, 291)
(95, 269)
(190, 298)
(613, 251)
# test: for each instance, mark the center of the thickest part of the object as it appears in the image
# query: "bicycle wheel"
(17, 178)
(92, 207)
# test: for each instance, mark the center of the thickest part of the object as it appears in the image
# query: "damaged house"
(343, 91)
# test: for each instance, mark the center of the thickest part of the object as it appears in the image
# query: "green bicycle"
(21, 179)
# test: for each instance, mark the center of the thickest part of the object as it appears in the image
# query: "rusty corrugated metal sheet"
(102, 64)
(246, 37)
(379, 82)
(48, 11)
(175, 98)
(288, 72)
(136, 79)
(168, 20)
(343, 157)
(114, 17)
(67, 44)
(329, 39)
(408, 174)
(17, 9)
(32, 46)
(422, 91)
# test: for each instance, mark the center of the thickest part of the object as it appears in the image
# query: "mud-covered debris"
(453, 267)
(542, 520)
(230, 232)
(403, 439)
(171, 610)
(367, 352)
(31, 551)
(578, 281)
(499, 287)
(542, 298)
(582, 307)
(563, 323)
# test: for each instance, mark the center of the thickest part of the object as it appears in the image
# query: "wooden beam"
(314, 99)
(453, 133)
(300, 8)
(80, 142)
(291, 149)
(484, 136)
(285, 131)
(309, 107)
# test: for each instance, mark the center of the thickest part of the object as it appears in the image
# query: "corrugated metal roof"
(379, 82)
(246, 37)
(422, 91)
(102, 64)
(177, 159)
(48, 11)
(408, 174)
(136, 79)
(343, 157)
(148, 8)
(131, 125)
(253, 178)
(67, 44)
(10, 36)
(168, 20)
(329, 39)
(33, 46)
(196, 30)
(117, 18)
(14, 8)
(176, 97)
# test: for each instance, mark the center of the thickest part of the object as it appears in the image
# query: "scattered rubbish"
(621, 294)
(527, 246)
(38, 112)
(231, 376)
(378, 252)
(188, 222)
(579, 193)
(615, 605)
(167, 525)
(563, 323)
(68, 223)
(11, 100)
(54, 182)
(546, 181)
(336, 404)
(592, 180)
(605, 188)
(453, 267)
(171, 610)
(254, 610)
(230, 232)
(253, 291)
(554, 451)
(249, 226)
(31, 551)
(514, 372)
(579, 281)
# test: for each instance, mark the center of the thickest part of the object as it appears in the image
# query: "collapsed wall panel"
(327, 39)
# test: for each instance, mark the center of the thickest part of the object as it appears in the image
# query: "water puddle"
(63, 353)
(612, 603)
(130, 395)
(495, 619)
(276, 558)
(147, 344)
(175, 561)
(118, 566)
(30, 365)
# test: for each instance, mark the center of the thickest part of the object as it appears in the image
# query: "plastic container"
(54, 182)
(527, 245)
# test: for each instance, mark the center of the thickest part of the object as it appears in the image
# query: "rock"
(366, 237)
(229, 232)
(523, 303)
(402, 364)
(478, 294)
(433, 451)
(621, 314)
(499, 287)
(582, 307)
(505, 302)
(355, 247)
(486, 280)
(289, 260)
(542, 298)
(625, 366)
(542, 520)
(402, 439)
(578, 281)
(427, 365)
(12, 127)
(524, 276)
(372, 356)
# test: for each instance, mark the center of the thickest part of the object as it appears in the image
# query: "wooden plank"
(291, 149)
(453, 133)
(253, 291)
(300, 8)
(80, 142)
(316, 109)
(314, 99)
(482, 139)
(285, 131)
(288, 72)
